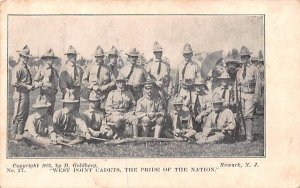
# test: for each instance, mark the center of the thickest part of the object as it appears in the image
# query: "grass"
(166, 149)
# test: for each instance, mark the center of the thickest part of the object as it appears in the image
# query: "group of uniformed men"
(133, 101)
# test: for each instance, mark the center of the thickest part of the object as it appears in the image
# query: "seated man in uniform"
(39, 125)
(94, 118)
(220, 124)
(68, 123)
(181, 120)
(150, 111)
(120, 106)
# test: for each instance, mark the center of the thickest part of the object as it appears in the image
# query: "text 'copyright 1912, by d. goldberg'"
(94, 168)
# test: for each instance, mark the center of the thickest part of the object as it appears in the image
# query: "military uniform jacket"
(100, 75)
(39, 125)
(160, 70)
(49, 77)
(120, 101)
(226, 93)
(186, 70)
(196, 102)
(148, 105)
(70, 122)
(138, 75)
(186, 121)
(251, 83)
(223, 120)
(70, 77)
(95, 123)
(21, 77)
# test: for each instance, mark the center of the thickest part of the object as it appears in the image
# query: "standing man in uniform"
(113, 61)
(70, 77)
(135, 74)
(22, 82)
(160, 70)
(150, 111)
(249, 83)
(188, 70)
(47, 79)
(98, 77)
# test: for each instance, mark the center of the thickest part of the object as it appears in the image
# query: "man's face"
(133, 59)
(232, 68)
(188, 56)
(121, 84)
(42, 111)
(217, 106)
(49, 61)
(99, 59)
(178, 107)
(149, 91)
(72, 57)
(245, 58)
(158, 55)
(113, 59)
(24, 59)
(70, 106)
(94, 104)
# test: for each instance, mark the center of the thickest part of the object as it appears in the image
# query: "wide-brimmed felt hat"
(232, 57)
(25, 51)
(149, 83)
(71, 50)
(224, 75)
(69, 97)
(187, 83)
(94, 96)
(99, 52)
(121, 78)
(49, 54)
(133, 52)
(217, 99)
(261, 56)
(245, 51)
(157, 47)
(41, 102)
(113, 51)
(178, 100)
(187, 49)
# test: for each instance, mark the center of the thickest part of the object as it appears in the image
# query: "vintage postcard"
(127, 92)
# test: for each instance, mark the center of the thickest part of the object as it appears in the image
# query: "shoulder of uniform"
(141, 99)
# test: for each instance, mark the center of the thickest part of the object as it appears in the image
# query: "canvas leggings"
(247, 102)
(21, 111)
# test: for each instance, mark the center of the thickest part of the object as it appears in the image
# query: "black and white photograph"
(136, 86)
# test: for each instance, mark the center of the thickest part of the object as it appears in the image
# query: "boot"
(157, 131)
(249, 130)
(145, 131)
(20, 128)
(135, 131)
